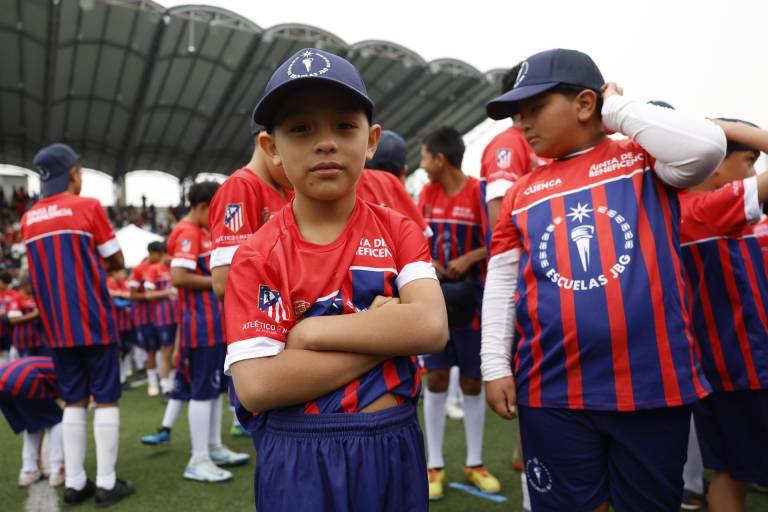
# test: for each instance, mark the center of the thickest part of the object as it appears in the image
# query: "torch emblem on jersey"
(271, 302)
(309, 63)
(582, 235)
(233, 217)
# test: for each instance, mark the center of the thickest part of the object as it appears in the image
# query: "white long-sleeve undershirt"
(499, 315)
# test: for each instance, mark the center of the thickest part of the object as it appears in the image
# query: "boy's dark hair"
(156, 246)
(202, 192)
(509, 78)
(448, 141)
(6, 277)
(571, 91)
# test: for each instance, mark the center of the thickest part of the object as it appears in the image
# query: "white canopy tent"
(134, 241)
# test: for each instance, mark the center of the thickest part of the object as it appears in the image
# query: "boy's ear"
(586, 103)
(267, 144)
(374, 134)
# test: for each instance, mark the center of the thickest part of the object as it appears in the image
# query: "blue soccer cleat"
(162, 436)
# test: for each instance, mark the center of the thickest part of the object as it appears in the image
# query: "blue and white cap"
(544, 71)
(53, 163)
(310, 64)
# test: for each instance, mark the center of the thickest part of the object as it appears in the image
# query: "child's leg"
(30, 451)
(171, 414)
(726, 494)
(214, 433)
(200, 426)
(474, 419)
(434, 415)
(55, 448)
(74, 435)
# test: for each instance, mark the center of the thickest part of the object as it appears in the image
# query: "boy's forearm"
(745, 134)
(184, 278)
(295, 376)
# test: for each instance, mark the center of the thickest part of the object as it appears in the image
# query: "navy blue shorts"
(86, 371)
(462, 350)
(181, 387)
(165, 334)
(342, 462)
(733, 434)
(577, 460)
(149, 338)
(206, 372)
(30, 415)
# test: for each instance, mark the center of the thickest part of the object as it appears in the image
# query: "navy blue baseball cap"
(53, 163)
(544, 71)
(256, 128)
(310, 65)
(390, 153)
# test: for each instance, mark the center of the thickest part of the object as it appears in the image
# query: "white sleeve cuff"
(428, 232)
(222, 256)
(413, 271)
(149, 286)
(752, 209)
(134, 284)
(184, 263)
(109, 248)
(14, 314)
(498, 316)
(497, 189)
(252, 348)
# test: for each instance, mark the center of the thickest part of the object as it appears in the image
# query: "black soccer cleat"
(108, 497)
(75, 497)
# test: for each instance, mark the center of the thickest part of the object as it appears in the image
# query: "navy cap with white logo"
(544, 71)
(53, 163)
(310, 64)
(390, 153)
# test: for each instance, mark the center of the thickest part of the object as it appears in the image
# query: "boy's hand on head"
(458, 267)
(501, 395)
(611, 89)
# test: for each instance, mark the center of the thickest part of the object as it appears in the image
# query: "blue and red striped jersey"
(31, 378)
(601, 321)
(123, 306)
(140, 309)
(26, 335)
(505, 159)
(6, 296)
(163, 312)
(728, 284)
(200, 316)
(288, 278)
(66, 237)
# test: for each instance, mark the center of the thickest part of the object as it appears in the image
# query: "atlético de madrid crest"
(233, 217)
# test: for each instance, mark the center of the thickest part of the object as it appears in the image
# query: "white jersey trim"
(497, 189)
(252, 348)
(184, 263)
(109, 248)
(452, 221)
(222, 256)
(413, 271)
(752, 209)
(59, 232)
(712, 238)
(14, 314)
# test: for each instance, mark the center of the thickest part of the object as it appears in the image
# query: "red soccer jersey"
(728, 284)
(140, 308)
(384, 189)
(26, 335)
(163, 312)
(761, 233)
(240, 207)
(600, 310)
(66, 237)
(200, 318)
(278, 278)
(32, 378)
(505, 159)
(6, 296)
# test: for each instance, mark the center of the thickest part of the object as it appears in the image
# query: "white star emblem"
(306, 54)
(580, 212)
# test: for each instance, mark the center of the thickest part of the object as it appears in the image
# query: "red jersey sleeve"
(412, 254)
(186, 250)
(722, 212)
(14, 307)
(103, 234)
(504, 161)
(233, 218)
(258, 310)
(137, 276)
(403, 203)
(505, 235)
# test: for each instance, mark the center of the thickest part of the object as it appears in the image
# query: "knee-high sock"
(526, 496)
(73, 430)
(30, 451)
(106, 431)
(434, 423)
(214, 435)
(152, 377)
(199, 426)
(172, 411)
(55, 448)
(693, 471)
(454, 388)
(474, 421)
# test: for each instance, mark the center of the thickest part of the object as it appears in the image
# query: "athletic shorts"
(86, 371)
(342, 462)
(30, 415)
(576, 460)
(127, 340)
(40, 350)
(165, 334)
(205, 372)
(5, 343)
(733, 434)
(462, 350)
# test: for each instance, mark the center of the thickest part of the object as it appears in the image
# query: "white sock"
(199, 412)
(4, 356)
(454, 389)
(434, 423)
(126, 366)
(474, 421)
(235, 421)
(166, 385)
(73, 430)
(106, 431)
(30, 451)
(214, 435)
(139, 356)
(55, 448)
(526, 496)
(152, 377)
(693, 471)
(172, 411)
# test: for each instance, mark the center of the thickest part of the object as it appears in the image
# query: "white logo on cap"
(521, 74)
(309, 62)
(44, 174)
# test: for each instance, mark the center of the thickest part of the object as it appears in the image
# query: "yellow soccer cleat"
(482, 479)
(436, 480)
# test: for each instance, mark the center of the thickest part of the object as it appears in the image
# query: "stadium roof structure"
(133, 85)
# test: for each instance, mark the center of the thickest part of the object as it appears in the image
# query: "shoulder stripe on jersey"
(451, 221)
(60, 232)
(579, 189)
(372, 269)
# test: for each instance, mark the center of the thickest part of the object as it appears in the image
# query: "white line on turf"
(42, 498)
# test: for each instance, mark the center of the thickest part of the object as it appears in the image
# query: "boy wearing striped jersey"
(163, 313)
(729, 293)
(24, 316)
(585, 330)
(452, 205)
(327, 308)
(70, 246)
